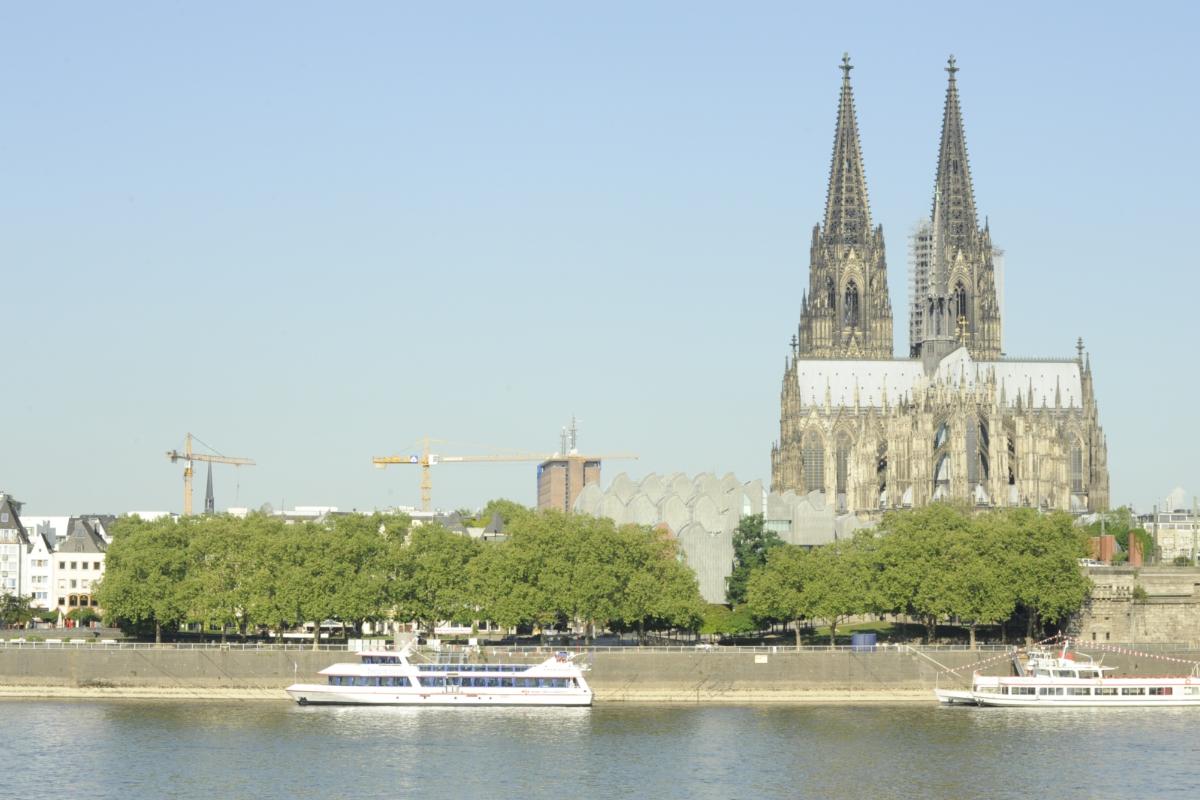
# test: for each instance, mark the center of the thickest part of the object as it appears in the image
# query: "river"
(265, 750)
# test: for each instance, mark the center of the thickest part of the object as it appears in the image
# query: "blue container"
(862, 642)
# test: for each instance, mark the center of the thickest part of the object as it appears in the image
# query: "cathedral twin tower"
(957, 420)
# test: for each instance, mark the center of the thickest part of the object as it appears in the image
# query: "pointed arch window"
(941, 477)
(812, 458)
(960, 301)
(850, 307)
(830, 293)
(1076, 467)
(843, 469)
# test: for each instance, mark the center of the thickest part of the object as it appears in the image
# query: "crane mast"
(426, 460)
(188, 456)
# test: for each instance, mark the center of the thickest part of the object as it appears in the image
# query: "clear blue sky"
(312, 233)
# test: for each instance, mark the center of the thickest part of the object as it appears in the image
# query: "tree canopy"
(752, 542)
(936, 564)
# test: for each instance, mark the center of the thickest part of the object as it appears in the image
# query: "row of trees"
(934, 564)
(255, 573)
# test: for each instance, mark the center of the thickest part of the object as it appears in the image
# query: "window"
(843, 469)
(62, 565)
(1050, 690)
(62, 601)
(1079, 691)
(74, 565)
(1087, 673)
(74, 583)
(812, 456)
(1133, 690)
(95, 565)
(1193, 690)
(1024, 690)
(1076, 467)
(84, 565)
(960, 303)
(1160, 691)
(850, 306)
(1105, 691)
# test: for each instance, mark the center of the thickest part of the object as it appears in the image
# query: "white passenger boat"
(391, 678)
(1065, 679)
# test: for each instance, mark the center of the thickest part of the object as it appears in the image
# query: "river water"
(265, 750)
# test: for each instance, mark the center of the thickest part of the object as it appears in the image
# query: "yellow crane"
(187, 456)
(426, 460)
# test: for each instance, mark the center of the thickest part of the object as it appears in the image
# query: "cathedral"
(956, 420)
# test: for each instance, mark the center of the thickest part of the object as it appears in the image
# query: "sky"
(313, 233)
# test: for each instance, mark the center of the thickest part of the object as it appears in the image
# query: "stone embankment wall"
(1168, 612)
(884, 675)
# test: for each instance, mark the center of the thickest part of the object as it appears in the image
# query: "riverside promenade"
(720, 675)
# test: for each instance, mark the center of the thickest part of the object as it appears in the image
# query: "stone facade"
(1166, 610)
(955, 421)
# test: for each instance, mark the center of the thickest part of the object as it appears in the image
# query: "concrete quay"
(618, 675)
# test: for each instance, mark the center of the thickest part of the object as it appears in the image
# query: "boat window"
(1079, 691)
(1087, 673)
(1191, 690)
(1106, 690)
(1160, 690)
(1024, 690)
(1133, 690)
(1050, 690)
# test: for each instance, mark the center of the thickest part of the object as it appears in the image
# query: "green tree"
(721, 620)
(916, 557)
(1046, 550)
(984, 574)
(219, 585)
(83, 617)
(660, 590)
(508, 510)
(752, 542)
(146, 568)
(838, 581)
(431, 576)
(777, 590)
(15, 609)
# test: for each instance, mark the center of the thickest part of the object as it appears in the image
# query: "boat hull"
(320, 694)
(955, 697)
(984, 699)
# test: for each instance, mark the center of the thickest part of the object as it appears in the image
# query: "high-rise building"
(953, 421)
(561, 479)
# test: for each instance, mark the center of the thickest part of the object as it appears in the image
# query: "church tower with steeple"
(961, 308)
(846, 312)
(863, 432)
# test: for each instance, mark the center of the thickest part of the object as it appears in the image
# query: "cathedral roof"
(1050, 382)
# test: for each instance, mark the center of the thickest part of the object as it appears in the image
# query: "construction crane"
(426, 460)
(187, 456)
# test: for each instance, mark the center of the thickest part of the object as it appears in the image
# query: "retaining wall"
(621, 675)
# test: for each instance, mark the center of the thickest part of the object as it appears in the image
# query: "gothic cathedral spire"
(847, 312)
(961, 308)
(847, 215)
